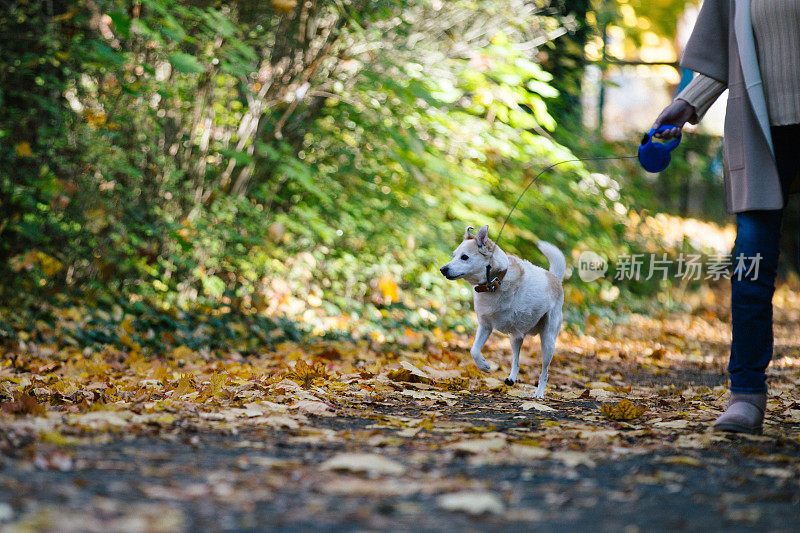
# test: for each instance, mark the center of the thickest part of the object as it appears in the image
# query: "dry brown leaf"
(478, 445)
(23, 404)
(537, 406)
(305, 375)
(672, 424)
(682, 460)
(409, 373)
(624, 410)
(601, 395)
(313, 408)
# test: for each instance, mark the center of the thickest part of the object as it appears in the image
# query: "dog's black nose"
(443, 270)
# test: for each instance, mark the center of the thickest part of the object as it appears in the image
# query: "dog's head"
(471, 257)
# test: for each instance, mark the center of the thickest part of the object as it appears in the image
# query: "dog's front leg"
(481, 336)
(516, 345)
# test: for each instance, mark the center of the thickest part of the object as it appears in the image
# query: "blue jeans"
(753, 281)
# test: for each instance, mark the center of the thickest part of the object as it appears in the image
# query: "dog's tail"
(558, 264)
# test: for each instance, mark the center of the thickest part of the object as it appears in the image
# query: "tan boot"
(745, 414)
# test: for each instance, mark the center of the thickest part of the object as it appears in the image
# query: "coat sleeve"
(701, 92)
(706, 51)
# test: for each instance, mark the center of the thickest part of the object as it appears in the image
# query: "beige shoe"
(745, 414)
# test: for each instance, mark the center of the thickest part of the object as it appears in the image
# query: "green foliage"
(278, 158)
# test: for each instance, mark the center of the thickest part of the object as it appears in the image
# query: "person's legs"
(755, 261)
(753, 280)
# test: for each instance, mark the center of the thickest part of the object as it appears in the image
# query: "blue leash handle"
(672, 144)
(655, 156)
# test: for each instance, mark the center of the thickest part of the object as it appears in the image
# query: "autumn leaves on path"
(357, 436)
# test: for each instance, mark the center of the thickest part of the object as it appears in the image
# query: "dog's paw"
(509, 381)
(539, 394)
(483, 366)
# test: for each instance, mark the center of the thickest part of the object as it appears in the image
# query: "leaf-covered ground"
(363, 436)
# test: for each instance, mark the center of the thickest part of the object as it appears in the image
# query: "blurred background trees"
(315, 159)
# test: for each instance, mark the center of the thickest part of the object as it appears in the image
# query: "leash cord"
(497, 241)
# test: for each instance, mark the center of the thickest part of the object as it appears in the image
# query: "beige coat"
(722, 47)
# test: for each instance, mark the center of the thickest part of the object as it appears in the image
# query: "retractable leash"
(653, 156)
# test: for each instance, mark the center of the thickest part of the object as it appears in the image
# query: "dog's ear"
(468, 233)
(483, 236)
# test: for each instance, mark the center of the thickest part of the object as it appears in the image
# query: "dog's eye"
(464, 257)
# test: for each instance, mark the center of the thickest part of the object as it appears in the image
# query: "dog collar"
(492, 283)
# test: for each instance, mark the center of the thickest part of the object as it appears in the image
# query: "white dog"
(512, 296)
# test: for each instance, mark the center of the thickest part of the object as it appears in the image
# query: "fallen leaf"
(572, 458)
(409, 373)
(681, 460)
(494, 384)
(313, 408)
(536, 405)
(474, 503)
(527, 452)
(624, 410)
(371, 487)
(672, 424)
(23, 404)
(370, 463)
(784, 473)
(601, 395)
(305, 375)
(431, 395)
(478, 445)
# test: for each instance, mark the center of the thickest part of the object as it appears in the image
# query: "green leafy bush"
(316, 161)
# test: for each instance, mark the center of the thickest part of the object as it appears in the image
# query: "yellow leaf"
(66, 16)
(23, 149)
(574, 296)
(184, 386)
(624, 410)
(96, 219)
(305, 375)
(95, 119)
(682, 460)
(127, 324)
(284, 7)
(49, 265)
(388, 288)
(55, 437)
(456, 384)
(165, 419)
(217, 382)
(428, 423)
(160, 372)
(182, 353)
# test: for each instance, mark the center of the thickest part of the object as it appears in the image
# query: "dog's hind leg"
(481, 336)
(547, 339)
(516, 345)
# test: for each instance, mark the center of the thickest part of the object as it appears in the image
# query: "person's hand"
(677, 114)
